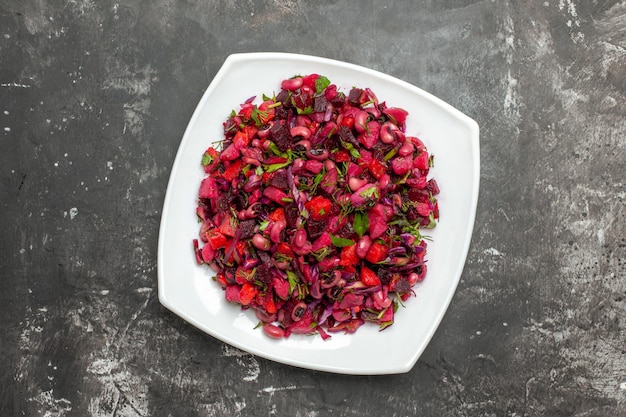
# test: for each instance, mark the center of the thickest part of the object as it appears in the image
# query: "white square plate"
(188, 290)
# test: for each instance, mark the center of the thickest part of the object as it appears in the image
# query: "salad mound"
(311, 210)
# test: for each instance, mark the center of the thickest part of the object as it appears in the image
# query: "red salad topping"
(311, 211)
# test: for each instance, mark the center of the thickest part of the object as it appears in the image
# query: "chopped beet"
(354, 97)
(230, 127)
(319, 104)
(316, 228)
(380, 150)
(223, 203)
(433, 187)
(283, 97)
(384, 275)
(338, 100)
(246, 229)
(238, 201)
(263, 273)
(258, 210)
(412, 214)
(292, 214)
(264, 257)
(279, 180)
(402, 285)
(346, 231)
(302, 101)
(346, 135)
(282, 112)
(281, 136)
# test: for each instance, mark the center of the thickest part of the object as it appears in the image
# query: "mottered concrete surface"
(95, 97)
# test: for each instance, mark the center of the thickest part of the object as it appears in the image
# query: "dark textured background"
(95, 97)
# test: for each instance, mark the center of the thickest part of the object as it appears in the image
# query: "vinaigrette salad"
(312, 209)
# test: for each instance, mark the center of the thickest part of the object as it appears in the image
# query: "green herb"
(408, 227)
(414, 230)
(390, 154)
(369, 192)
(340, 242)
(321, 83)
(312, 186)
(361, 223)
(207, 159)
(406, 205)
(342, 168)
(328, 182)
(233, 222)
(346, 208)
(274, 149)
(318, 179)
(245, 275)
(264, 225)
(403, 179)
(275, 167)
(432, 223)
(293, 280)
(258, 116)
(261, 286)
(385, 324)
(350, 148)
(306, 110)
(289, 155)
(303, 291)
(281, 257)
(321, 254)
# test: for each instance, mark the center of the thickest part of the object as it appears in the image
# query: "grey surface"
(94, 99)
